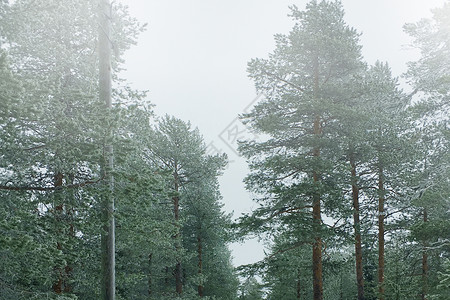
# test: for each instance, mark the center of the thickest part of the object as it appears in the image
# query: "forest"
(100, 198)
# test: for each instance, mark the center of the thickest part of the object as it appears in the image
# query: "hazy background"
(194, 54)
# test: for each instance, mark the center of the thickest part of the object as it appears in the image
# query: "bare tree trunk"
(357, 228)
(68, 269)
(178, 267)
(70, 213)
(317, 223)
(176, 210)
(166, 278)
(317, 219)
(299, 284)
(62, 212)
(200, 263)
(425, 262)
(108, 234)
(58, 211)
(381, 200)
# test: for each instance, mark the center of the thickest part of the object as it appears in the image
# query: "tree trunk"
(381, 199)
(68, 271)
(166, 278)
(299, 284)
(58, 211)
(176, 211)
(178, 267)
(357, 228)
(425, 261)
(200, 263)
(178, 278)
(317, 223)
(62, 284)
(398, 275)
(70, 213)
(108, 234)
(317, 219)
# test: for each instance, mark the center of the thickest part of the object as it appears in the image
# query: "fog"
(193, 58)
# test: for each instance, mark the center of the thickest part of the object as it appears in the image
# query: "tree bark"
(108, 234)
(200, 263)
(58, 211)
(70, 213)
(317, 223)
(166, 278)
(176, 210)
(381, 200)
(61, 211)
(357, 228)
(178, 267)
(317, 219)
(425, 262)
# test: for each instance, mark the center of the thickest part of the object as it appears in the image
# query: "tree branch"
(285, 81)
(290, 210)
(287, 249)
(54, 188)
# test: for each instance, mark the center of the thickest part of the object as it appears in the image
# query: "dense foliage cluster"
(352, 172)
(351, 168)
(169, 220)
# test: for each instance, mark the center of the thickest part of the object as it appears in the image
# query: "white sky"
(194, 54)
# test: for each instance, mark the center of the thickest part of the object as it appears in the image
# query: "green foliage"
(308, 84)
(325, 109)
(251, 289)
(443, 287)
(201, 233)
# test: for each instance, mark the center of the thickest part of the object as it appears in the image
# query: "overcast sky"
(193, 57)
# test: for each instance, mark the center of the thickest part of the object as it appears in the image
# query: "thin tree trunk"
(425, 245)
(299, 284)
(108, 234)
(70, 212)
(425, 262)
(200, 263)
(317, 223)
(178, 267)
(62, 285)
(381, 200)
(67, 286)
(166, 278)
(58, 210)
(179, 284)
(176, 210)
(357, 228)
(398, 276)
(68, 269)
(317, 219)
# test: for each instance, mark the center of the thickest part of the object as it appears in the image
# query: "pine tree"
(430, 78)
(206, 233)
(200, 237)
(54, 137)
(304, 79)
